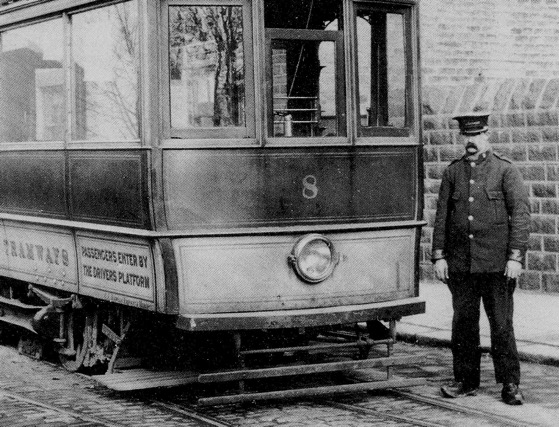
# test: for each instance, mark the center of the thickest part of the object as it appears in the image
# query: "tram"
(209, 178)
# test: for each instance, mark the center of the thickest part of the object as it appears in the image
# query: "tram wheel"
(78, 331)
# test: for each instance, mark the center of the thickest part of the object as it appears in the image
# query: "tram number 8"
(310, 190)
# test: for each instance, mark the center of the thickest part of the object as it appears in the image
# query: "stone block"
(535, 243)
(426, 235)
(500, 136)
(449, 153)
(532, 173)
(519, 153)
(543, 118)
(519, 136)
(544, 190)
(503, 94)
(538, 153)
(440, 138)
(514, 120)
(432, 187)
(551, 243)
(542, 262)
(550, 282)
(517, 99)
(535, 206)
(430, 218)
(530, 281)
(453, 99)
(435, 171)
(433, 122)
(430, 154)
(541, 224)
(552, 172)
(550, 206)
(433, 97)
(431, 202)
(550, 94)
(531, 97)
(550, 134)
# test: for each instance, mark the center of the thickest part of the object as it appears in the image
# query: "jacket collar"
(482, 157)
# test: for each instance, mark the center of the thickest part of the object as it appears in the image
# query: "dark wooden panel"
(210, 188)
(109, 187)
(32, 182)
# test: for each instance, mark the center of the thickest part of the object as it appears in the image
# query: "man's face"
(476, 144)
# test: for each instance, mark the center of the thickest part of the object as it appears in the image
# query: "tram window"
(381, 59)
(32, 83)
(305, 69)
(207, 69)
(105, 50)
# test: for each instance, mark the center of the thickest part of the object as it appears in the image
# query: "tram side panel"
(91, 187)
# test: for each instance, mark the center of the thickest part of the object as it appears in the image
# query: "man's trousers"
(496, 292)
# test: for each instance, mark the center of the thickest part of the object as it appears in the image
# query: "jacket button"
(470, 218)
(471, 236)
(473, 164)
(471, 199)
(471, 181)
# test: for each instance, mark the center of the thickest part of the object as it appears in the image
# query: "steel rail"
(382, 414)
(191, 413)
(445, 403)
(73, 414)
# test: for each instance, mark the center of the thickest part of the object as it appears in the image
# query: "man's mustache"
(471, 145)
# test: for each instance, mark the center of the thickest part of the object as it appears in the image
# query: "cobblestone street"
(34, 393)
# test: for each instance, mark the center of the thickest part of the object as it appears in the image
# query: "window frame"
(219, 135)
(370, 134)
(337, 37)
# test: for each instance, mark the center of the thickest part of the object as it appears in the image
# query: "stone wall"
(500, 56)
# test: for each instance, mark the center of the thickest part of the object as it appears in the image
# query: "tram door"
(306, 74)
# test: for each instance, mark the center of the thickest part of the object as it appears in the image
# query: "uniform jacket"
(483, 215)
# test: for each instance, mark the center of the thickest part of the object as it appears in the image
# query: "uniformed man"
(479, 242)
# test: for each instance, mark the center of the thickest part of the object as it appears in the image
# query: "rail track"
(387, 407)
(97, 406)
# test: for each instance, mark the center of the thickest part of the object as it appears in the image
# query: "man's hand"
(513, 269)
(441, 270)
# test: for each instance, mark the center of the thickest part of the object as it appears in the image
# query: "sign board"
(39, 256)
(116, 271)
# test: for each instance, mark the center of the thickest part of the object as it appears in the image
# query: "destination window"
(305, 68)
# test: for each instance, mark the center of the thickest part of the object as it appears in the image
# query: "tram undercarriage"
(128, 350)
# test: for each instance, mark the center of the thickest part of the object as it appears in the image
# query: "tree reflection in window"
(105, 49)
(206, 66)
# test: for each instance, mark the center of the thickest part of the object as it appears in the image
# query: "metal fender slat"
(307, 369)
(313, 391)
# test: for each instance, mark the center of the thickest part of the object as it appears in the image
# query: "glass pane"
(303, 14)
(382, 69)
(304, 88)
(32, 83)
(306, 77)
(105, 50)
(206, 67)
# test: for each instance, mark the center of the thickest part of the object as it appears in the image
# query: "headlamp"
(313, 258)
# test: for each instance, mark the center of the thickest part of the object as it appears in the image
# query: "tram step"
(143, 379)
